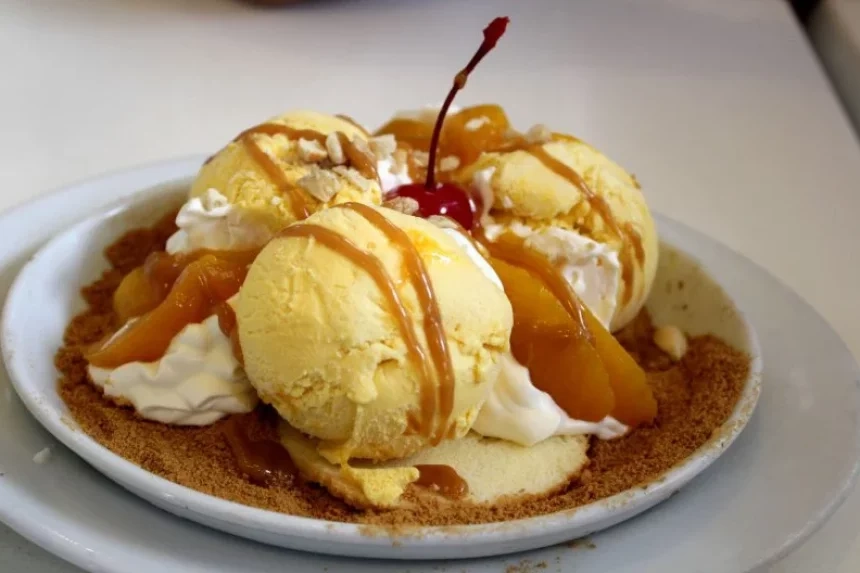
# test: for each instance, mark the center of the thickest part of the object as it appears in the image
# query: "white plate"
(774, 487)
(31, 333)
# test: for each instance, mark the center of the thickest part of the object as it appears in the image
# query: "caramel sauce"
(434, 330)
(512, 250)
(443, 479)
(276, 175)
(374, 267)
(263, 461)
(228, 325)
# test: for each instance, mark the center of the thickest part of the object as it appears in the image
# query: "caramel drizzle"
(297, 199)
(374, 267)
(433, 328)
(361, 161)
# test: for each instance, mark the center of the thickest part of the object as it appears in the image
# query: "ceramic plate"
(735, 513)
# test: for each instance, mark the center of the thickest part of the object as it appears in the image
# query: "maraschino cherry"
(446, 198)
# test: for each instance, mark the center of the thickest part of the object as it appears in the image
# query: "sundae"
(409, 318)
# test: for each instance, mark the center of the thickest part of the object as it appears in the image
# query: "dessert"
(337, 348)
(441, 322)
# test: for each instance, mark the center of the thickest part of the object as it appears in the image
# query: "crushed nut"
(335, 151)
(475, 124)
(311, 151)
(671, 340)
(320, 183)
(361, 145)
(538, 133)
(353, 177)
(400, 158)
(405, 205)
(421, 158)
(383, 146)
(449, 163)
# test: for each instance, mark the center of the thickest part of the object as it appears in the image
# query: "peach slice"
(548, 342)
(135, 296)
(415, 134)
(474, 130)
(561, 361)
(203, 284)
(634, 400)
(145, 287)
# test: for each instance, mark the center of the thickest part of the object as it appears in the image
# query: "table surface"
(721, 109)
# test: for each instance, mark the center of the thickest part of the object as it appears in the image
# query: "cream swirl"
(197, 382)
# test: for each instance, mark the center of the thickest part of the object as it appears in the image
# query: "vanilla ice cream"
(582, 211)
(324, 345)
(294, 165)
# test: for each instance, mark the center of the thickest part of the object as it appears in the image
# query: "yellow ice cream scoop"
(296, 164)
(581, 210)
(371, 331)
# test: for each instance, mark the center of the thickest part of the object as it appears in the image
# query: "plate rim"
(134, 478)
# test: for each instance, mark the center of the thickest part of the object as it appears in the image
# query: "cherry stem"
(492, 33)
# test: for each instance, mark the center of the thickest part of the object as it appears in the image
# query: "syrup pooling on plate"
(263, 461)
(443, 479)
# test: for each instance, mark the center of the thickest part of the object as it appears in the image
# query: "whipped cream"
(517, 411)
(390, 176)
(212, 222)
(474, 256)
(514, 409)
(197, 382)
(591, 268)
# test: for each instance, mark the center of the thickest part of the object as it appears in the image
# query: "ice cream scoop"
(579, 209)
(371, 331)
(295, 164)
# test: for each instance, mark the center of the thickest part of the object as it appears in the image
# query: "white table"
(718, 107)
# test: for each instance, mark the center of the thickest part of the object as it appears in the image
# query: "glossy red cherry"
(447, 199)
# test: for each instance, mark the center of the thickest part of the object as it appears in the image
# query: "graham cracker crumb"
(695, 396)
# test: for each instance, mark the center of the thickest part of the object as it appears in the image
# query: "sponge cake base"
(496, 471)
